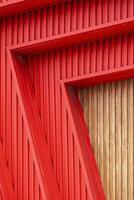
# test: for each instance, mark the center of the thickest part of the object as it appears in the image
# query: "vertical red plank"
(74, 24)
(32, 25)
(8, 101)
(77, 175)
(52, 108)
(14, 118)
(79, 16)
(124, 44)
(46, 82)
(43, 23)
(92, 13)
(61, 19)
(81, 59)
(64, 127)
(86, 14)
(87, 59)
(130, 48)
(20, 154)
(71, 163)
(61, 72)
(111, 11)
(20, 29)
(3, 83)
(25, 164)
(44, 97)
(31, 177)
(99, 55)
(130, 8)
(67, 17)
(82, 186)
(75, 58)
(118, 52)
(105, 12)
(63, 119)
(59, 117)
(48, 104)
(105, 54)
(26, 26)
(118, 10)
(14, 138)
(49, 27)
(41, 87)
(14, 29)
(38, 24)
(56, 20)
(99, 12)
(124, 9)
(112, 52)
(65, 156)
(93, 56)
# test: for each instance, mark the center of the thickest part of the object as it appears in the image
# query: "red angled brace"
(88, 163)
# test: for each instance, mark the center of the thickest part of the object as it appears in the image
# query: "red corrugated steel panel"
(43, 73)
(8, 7)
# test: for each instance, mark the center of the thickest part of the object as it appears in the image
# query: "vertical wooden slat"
(124, 140)
(130, 140)
(20, 153)
(108, 111)
(100, 130)
(106, 115)
(112, 142)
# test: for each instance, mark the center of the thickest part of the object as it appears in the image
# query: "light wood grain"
(109, 114)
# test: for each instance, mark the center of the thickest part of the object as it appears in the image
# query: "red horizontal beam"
(76, 37)
(16, 6)
(101, 77)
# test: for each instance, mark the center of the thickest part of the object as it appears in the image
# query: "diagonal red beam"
(34, 130)
(16, 6)
(76, 37)
(6, 187)
(78, 123)
(65, 40)
(84, 148)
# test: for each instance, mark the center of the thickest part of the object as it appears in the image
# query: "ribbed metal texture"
(44, 71)
(4, 1)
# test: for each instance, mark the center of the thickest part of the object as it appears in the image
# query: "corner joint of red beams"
(44, 166)
(14, 55)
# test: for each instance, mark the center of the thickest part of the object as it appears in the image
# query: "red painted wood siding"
(44, 72)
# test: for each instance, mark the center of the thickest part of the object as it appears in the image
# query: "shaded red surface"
(45, 54)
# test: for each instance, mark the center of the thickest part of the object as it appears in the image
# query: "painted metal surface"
(42, 125)
(8, 7)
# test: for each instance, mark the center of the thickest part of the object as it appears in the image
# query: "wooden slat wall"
(108, 110)
(44, 71)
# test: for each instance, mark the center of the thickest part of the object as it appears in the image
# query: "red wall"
(43, 72)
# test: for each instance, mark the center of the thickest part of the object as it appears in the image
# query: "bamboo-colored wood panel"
(109, 114)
